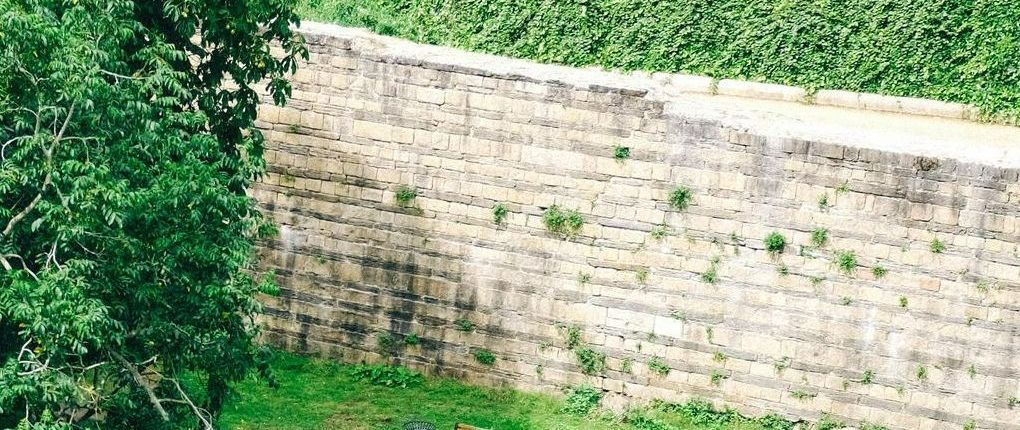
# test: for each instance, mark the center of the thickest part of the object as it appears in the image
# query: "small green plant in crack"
(627, 365)
(817, 280)
(590, 361)
(868, 378)
(582, 399)
(464, 325)
(567, 223)
(719, 357)
(679, 315)
(405, 195)
(412, 339)
(680, 197)
(641, 275)
(879, 272)
(819, 237)
(539, 370)
(293, 128)
(783, 269)
(971, 371)
(970, 425)
(846, 261)
(660, 231)
(829, 423)
(846, 300)
(621, 153)
(921, 373)
(386, 343)
(782, 364)
(843, 188)
(904, 302)
(573, 337)
(583, 277)
(717, 377)
(1013, 402)
(658, 366)
(983, 287)
(823, 201)
(775, 242)
(499, 213)
(901, 389)
(937, 246)
(485, 357)
(802, 395)
(710, 334)
(711, 276)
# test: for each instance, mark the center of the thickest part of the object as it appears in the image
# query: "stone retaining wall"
(932, 344)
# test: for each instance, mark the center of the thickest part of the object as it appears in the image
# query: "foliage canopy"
(126, 236)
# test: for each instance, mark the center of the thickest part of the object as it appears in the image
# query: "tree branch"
(140, 380)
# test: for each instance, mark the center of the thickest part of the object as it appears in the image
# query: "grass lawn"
(320, 394)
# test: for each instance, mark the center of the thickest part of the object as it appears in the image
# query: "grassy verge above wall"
(965, 51)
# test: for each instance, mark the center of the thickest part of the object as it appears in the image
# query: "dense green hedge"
(954, 50)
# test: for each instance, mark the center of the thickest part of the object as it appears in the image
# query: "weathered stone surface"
(467, 130)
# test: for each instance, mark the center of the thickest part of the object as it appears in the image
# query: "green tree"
(127, 278)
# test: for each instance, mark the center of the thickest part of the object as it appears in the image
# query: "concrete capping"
(362, 39)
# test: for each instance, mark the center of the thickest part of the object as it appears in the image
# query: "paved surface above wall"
(662, 302)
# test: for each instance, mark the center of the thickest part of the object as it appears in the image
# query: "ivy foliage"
(127, 283)
(953, 50)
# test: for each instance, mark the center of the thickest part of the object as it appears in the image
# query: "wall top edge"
(906, 125)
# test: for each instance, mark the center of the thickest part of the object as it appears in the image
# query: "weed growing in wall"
(583, 277)
(846, 300)
(573, 337)
(783, 269)
(782, 364)
(411, 339)
(405, 195)
(660, 231)
(775, 242)
(819, 237)
(846, 261)
(823, 202)
(499, 213)
(621, 153)
(937, 246)
(868, 378)
(719, 357)
(1013, 402)
(679, 315)
(829, 423)
(903, 302)
(711, 275)
(627, 365)
(971, 371)
(879, 271)
(590, 361)
(658, 366)
(921, 373)
(582, 399)
(843, 188)
(983, 287)
(802, 395)
(680, 197)
(641, 275)
(386, 344)
(465, 325)
(970, 425)
(567, 223)
(717, 377)
(485, 357)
